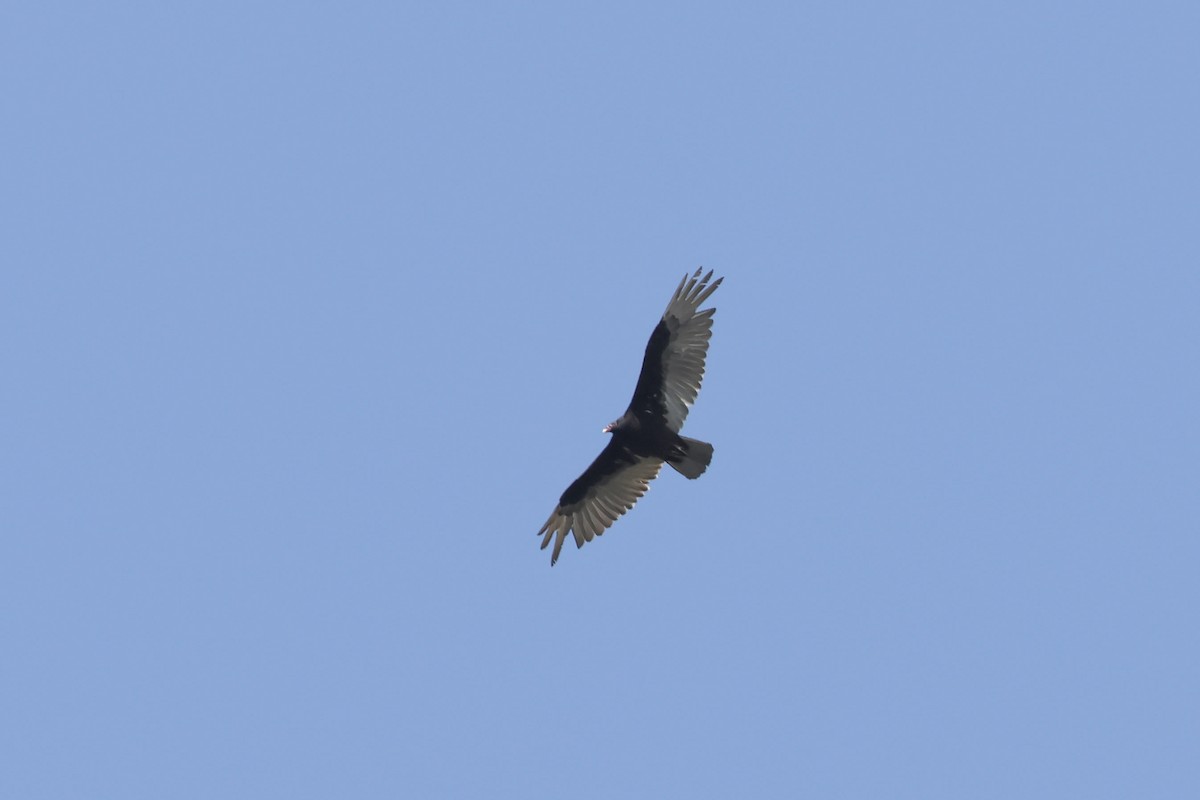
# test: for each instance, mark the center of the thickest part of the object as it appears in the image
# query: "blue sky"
(310, 313)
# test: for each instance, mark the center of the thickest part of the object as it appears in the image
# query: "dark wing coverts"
(674, 365)
(605, 491)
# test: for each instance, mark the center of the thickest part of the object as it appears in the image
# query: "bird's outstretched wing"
(605, 491)
(673, 367)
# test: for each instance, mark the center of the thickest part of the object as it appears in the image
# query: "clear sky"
(310, 312)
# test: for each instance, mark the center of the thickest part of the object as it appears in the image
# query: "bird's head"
(625, 422)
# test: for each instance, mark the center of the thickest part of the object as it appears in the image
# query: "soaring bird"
(647, 434)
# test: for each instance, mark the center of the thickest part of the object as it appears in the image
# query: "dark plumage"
(647, 434)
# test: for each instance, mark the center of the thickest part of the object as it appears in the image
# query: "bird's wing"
(674, 364)
(605, 491)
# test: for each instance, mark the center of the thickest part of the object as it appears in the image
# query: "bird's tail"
(694, 459)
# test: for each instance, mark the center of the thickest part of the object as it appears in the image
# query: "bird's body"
(647, 434)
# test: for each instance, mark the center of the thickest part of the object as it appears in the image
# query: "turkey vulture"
(647, 434)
